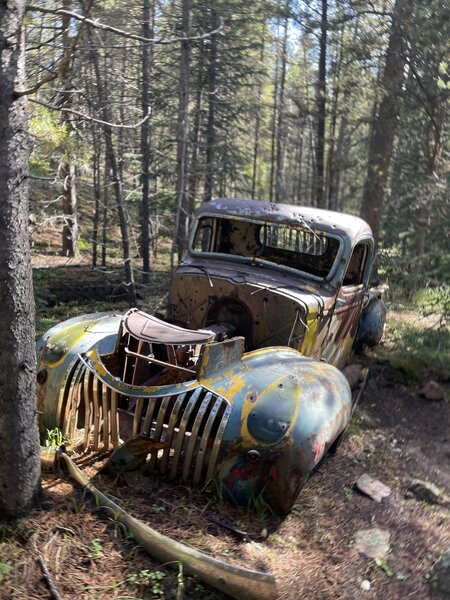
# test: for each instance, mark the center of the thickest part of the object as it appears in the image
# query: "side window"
(202, 240)
(356, 266)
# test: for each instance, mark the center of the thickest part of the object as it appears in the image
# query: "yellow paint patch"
(271, 389)
(310, 334)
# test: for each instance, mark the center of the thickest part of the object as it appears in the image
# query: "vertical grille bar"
(174, 419)
(96, 400)
(216, 445)
(88, 407)
(191, 424)
(137, 419)
(179, 440)
(114, 418)
(74, 401)
(194, 436)
(203, 446)
(160, 418)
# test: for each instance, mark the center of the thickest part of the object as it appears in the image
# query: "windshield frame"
(259, 261)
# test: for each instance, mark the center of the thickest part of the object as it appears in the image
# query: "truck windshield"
(291, 246)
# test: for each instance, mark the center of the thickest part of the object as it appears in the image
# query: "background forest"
(142, 110)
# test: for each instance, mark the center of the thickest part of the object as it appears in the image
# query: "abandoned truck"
(240, 386)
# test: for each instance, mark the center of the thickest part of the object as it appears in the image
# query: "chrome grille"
(191, 424)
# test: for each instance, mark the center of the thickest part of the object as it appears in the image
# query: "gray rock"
(432, 391)
(354, 374)
(373, 543)
(425, 491)
(368, 421)
(441, 573)
(372, 487)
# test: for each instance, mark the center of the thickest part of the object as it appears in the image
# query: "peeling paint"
(253, 410)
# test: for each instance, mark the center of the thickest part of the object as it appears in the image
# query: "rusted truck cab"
(240, 386)
(277, 275)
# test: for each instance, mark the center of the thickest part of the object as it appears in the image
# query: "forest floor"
(395, 435)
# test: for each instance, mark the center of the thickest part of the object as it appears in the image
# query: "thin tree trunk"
(336, 171)
(97, 196)
(106, 188)
(19, 440)
(147, 60)
(67, 168)
(181, 221)
(298, 188)
(280, 183)
(257, 130)
(117, 181)
(321, 109)
(333, 158)
(274, 129)
(433, 149)
(194, 170)
(211, 124)
(383, 132)
(70, 228)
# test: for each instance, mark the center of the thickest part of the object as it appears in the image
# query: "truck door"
(348, 305)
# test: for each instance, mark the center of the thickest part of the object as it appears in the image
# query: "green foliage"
(151, 579)
(432, 301)
(55, 439)
(4, 570)
(51, 135)
(383, 566)
(418, 346)
(96, 549)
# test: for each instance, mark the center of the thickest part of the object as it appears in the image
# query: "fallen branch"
(48, 579)
(242, 584)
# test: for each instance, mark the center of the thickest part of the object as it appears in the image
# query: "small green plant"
(96, 549)
(180, 582)
(348, 493)
(152, 579)
(384, 566)
(4, 570)
(55, 439)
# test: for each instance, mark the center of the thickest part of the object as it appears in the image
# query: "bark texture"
(384, 127)
(19, 441)
(147, 63)
(182, 217)
(321, 108)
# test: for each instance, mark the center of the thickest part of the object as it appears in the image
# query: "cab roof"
(328, 221)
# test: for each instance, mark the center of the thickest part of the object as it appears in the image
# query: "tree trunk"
(433, 145)
(116, 180)
(181, 220)
(333, 158)
(70, 228)
(273, 135)
(96, 186)
(383, 132)
(106, 203)
(19, 440)
(147, 59)
(211, 123)
(195, 170)
(280, 183)
(321, 109)
(67, 168)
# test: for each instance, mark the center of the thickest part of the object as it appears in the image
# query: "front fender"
(57, 351)
(286, 412)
